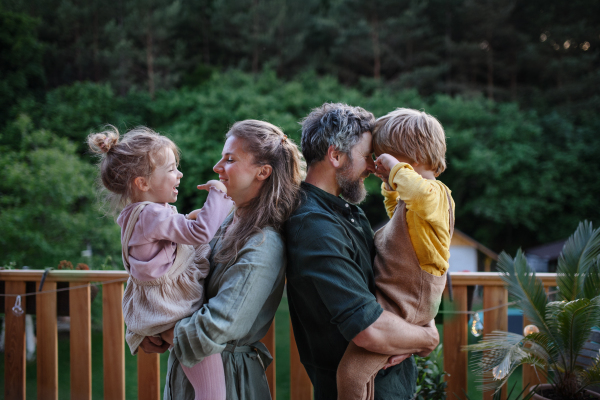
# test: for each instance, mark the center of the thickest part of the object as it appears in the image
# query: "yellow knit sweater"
(427, 215)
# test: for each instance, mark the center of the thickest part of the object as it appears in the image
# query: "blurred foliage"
(430, 376)
(47, 201)
(538, 53)
(513, 83)
(517, 176)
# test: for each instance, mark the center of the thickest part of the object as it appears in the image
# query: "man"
(330, 281)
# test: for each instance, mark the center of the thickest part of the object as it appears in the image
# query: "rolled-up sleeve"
(245, 286)
(329, 270)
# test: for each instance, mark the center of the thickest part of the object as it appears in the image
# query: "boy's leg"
(356, 373)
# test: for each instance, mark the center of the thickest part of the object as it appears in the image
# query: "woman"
(261, 169)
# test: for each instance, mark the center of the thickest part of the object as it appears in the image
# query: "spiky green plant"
(564, 325)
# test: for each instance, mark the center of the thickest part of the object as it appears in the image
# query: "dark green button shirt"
(330, 287)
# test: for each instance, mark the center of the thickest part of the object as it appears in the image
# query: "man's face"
(357, 166)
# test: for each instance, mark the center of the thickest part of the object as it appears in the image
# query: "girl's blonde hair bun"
(102, 142)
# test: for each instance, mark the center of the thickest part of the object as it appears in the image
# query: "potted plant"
(559, 328)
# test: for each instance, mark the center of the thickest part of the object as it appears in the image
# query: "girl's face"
(238, 172)
(163, 183)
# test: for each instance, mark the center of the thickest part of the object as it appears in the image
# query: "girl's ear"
(335, 157)
(264, 172)
(141, 184)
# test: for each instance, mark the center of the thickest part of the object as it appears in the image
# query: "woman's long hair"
(280, 193)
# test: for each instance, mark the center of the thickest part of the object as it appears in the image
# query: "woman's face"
(238, 172)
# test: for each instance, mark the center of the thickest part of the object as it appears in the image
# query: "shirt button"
(352, 220)
(347, 205)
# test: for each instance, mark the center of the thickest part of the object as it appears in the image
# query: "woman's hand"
(213, 183)
(152, 344)
(167, 336)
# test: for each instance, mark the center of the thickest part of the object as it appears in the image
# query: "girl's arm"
(160, 223)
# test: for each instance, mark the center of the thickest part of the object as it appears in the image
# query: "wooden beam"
(113, 338)
(47, 343)
(80, 311)
(455, 337)
(14, 344)
(62, 275)
(269, 341)
(458, 278)
(148, 375)
(530, 375)
(300, 386)
(496, 319)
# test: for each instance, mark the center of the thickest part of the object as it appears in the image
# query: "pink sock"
(207, 378)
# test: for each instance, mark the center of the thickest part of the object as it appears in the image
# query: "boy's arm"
(420, 195)
(390, 199)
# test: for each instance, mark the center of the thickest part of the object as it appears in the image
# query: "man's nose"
(370, 165)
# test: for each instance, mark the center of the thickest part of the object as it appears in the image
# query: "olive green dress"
(243, 297)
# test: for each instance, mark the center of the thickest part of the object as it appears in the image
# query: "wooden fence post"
(14, 344)
(455, 337)
(113, 341)
(495, 320)
(47, 347)
(80, 310)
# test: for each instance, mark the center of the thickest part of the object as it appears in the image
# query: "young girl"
(165, 253)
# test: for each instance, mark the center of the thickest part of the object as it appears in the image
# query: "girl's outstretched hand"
(213, 183)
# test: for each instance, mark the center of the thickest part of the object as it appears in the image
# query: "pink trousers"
(208, 378)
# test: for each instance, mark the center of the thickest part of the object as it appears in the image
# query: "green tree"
(21, 71)
(48, 206)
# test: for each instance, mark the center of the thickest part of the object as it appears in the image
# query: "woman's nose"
(180, 174)
(217, 167)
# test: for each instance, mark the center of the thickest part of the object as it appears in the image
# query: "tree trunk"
(376, 47)
(95, 47)
(490, 73)
(255, 29)
(150, 59)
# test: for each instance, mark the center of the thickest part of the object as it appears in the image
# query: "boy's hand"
(383, 166)
(213, 183)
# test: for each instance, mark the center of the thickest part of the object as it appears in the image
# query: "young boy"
(413, 248)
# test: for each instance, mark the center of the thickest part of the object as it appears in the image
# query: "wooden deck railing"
(455, 336)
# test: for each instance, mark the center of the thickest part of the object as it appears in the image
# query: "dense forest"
(515, 84)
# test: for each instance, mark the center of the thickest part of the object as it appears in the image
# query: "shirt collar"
(329, 198)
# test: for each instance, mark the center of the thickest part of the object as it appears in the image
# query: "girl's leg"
(207, 378)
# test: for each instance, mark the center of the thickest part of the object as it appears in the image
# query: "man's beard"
(352, 189)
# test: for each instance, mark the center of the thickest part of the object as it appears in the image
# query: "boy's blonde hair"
(414, 134)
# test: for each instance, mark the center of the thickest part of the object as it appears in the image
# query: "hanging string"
(512, 303)
(63, 289)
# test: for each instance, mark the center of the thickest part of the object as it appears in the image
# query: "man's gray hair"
(334, 124)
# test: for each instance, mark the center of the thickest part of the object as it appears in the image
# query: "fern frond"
(591, 284)
(574, 322)
(590, 376)
(578, 254)
(522, 284)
